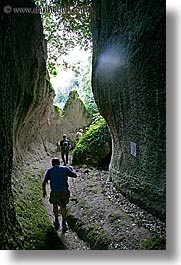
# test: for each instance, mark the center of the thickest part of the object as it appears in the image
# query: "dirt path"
(70, 239)
(104, 218)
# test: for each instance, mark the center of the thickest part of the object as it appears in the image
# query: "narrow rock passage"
(70, 239)
(104, 218)
(110, 216)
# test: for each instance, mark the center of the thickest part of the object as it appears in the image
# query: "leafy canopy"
(66, 24)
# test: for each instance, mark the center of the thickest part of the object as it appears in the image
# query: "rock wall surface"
(29, 126)
(32, 118)
(75, 116)
(129, 87)
(26, 106)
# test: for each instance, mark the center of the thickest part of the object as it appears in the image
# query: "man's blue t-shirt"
(58, 177)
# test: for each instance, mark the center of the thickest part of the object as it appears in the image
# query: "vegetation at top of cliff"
(58, 111)
(66, 25)
(86, 89)
(94, 146)
(80, 81)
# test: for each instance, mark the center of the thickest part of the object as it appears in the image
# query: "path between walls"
(102, 217)
(70, 239)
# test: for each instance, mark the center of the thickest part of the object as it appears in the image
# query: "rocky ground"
(99, 217)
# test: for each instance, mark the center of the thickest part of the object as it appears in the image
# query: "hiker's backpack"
(65, 145)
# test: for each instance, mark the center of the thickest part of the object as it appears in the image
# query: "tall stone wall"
(129, 87)
(32, 118)
(25, 107)
(7, 108)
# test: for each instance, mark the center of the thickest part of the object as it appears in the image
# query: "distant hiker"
(65, 147)
(60, 194)
(79, 134)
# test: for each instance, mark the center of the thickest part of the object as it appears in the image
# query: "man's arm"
(44, 188)
(71, 173)
(45, 181)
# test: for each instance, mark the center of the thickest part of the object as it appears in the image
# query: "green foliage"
(32, 216)
(58, 111)
(81, 81)
(155, 243)
(94, 145)
(96, 237)
(86, 88)
(66, 25)
(62, 91)
(49, 84)
(52, 68)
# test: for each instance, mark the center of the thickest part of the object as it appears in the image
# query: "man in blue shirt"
(60, 194)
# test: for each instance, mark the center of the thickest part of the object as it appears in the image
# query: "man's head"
(55, 162)
(64, 136)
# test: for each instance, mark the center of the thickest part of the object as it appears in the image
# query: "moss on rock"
(94, 147)
(58, 111)
(156, 243)
(96, 237)
(36, 228)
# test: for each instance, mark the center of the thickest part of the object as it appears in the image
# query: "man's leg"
(63, 159)
(55, 211)
(65, 201)
(64, 212)
(67, 154)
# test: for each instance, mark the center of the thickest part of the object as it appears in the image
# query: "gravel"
(129, 228)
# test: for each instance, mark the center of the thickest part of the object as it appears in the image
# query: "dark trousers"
(64, 155)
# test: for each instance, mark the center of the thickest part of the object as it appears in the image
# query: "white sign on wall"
(133, 148)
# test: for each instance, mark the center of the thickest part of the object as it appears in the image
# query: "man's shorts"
(60, 198)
